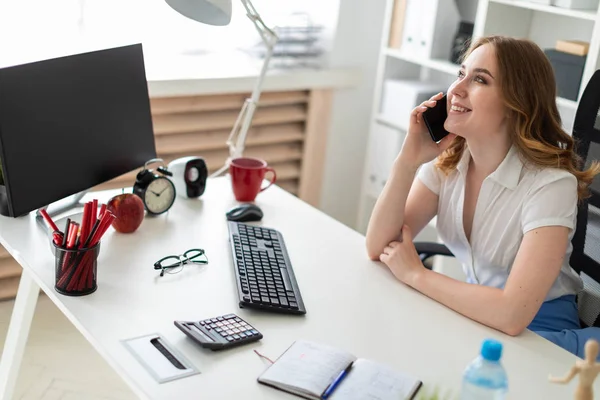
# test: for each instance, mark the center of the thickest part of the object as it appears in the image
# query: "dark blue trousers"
(558, 321)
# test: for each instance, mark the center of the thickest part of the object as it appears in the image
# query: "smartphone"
(434, 119)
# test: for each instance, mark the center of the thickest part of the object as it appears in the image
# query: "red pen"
(48, 220)
(57, 237)
(102, 210)
(73, 229)
(107, 220)
(94, 210)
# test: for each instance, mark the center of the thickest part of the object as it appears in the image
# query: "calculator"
(220, 333)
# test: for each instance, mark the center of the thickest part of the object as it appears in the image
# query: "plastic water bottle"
(485, 377)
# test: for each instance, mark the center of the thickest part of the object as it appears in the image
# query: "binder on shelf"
(576, 4)
(385, 147)
(577, 47)
(399, 97)
(397, 24)
(429, 28)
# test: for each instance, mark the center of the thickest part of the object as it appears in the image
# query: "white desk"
(351, 302)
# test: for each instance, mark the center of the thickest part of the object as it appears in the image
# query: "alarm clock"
(157, 191)
(189, 175)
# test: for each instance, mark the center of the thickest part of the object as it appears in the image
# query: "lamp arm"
(237, 137)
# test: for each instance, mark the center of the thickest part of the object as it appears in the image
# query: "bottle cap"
(491, 350)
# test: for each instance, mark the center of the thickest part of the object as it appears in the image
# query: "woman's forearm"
(483, 304)
(387, 218)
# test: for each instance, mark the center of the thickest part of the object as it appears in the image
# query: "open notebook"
(313, 371)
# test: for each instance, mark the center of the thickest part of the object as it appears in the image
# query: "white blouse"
(513, 200)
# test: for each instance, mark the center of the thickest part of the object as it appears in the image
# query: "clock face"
(159, 195)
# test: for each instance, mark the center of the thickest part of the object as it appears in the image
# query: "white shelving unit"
(541, 23)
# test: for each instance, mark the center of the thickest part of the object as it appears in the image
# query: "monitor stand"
(69, 207)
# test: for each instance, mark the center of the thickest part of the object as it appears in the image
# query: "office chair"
(585, 258)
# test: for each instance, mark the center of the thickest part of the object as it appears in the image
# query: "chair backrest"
(586, 240)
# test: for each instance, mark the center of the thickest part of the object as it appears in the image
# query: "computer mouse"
(245, 212)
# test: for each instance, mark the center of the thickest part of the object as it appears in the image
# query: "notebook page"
(308, 366)
(369, 380)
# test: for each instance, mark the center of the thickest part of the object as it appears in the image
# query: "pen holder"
(75, 270)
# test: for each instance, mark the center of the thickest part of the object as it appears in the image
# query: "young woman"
(504, 186)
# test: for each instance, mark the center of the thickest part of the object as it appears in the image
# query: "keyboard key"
(286, 279)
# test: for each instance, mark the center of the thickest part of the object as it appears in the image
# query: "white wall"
(32, 30)
(356, 44)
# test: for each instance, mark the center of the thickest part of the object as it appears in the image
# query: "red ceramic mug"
(247, 175)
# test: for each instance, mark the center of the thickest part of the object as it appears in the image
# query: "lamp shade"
(212, 12)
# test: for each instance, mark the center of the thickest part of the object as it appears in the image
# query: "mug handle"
(272, 181)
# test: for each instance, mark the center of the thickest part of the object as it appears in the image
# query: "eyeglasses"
(174, 264)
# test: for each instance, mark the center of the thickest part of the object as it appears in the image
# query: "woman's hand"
(402, 259)
(418, 147)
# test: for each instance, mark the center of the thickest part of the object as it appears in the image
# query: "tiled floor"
(59, 364)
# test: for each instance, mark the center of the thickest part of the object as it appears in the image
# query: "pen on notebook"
(336, 382)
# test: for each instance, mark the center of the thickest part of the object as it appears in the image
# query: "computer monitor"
(70, 123)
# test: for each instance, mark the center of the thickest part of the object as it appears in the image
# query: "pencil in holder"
(75, 270)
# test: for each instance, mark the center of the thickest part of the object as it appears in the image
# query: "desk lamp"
(218, 12)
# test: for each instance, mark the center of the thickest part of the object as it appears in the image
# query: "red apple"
(128, 209)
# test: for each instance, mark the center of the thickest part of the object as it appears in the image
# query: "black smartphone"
(434, 119)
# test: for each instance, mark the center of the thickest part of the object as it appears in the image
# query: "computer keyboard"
(264, 274)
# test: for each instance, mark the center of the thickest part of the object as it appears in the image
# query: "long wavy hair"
(528, 88)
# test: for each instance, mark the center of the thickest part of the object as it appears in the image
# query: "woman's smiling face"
(475, 102)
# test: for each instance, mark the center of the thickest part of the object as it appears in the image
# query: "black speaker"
(189, 176)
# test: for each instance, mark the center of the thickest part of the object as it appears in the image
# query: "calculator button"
(229, 338)
(254, 332)
(236, 337)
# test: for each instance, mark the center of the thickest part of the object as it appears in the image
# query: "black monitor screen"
(70, 123)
